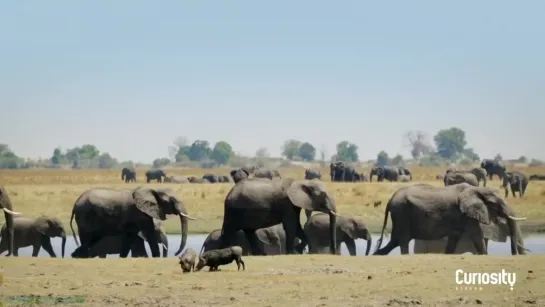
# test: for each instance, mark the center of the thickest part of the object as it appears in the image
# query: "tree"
(397, 160)
(222, 152)
(382, 158)
(450, 142)
(323, 153)
(522, 159)
(470, 154)
(179, 151)
(199, 150)
(498, 158)
(347, 152)
(307, 152)
(160, 162)
(419, 143)
(290, 149)
(106, 161)
(262, 152)
(57, 157)
(8, 159)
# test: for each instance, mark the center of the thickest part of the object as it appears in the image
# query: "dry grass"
(54, 192)
(305, 280)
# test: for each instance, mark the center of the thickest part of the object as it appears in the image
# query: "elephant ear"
(42, 225)
(146, 201)
(267, 236)
(473, 206)
(349, 228)
(299, 193)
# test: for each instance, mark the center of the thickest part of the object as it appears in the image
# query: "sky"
(131, 76)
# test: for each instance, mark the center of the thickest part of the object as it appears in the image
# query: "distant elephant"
(479, 172)
(312, 174)
(35, 232)
(349, 229)
(342, 172)
(9, 214)
(224, 179)
(536, 177)
(211, 178)
(454, 177)
(405, 171)
(155, 174)
(176, 179)
(101, 212)
(239, 174)
(361, 177)
(389, 173)
(256, 203)
(266, 173)
(193, 179)
(404, 178)
(272, 240)
(493, 167)
(425, 212)
(517, 181)
(128, 174)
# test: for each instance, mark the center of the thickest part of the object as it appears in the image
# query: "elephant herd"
(342, 172)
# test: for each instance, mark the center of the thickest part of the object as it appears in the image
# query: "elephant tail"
(71, 226)
(386, 212)
(206, 242)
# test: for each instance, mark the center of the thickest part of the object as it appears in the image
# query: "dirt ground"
(302, 280)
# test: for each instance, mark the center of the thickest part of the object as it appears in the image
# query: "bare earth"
(303, 280)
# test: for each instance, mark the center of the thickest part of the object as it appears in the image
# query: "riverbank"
(311, 280)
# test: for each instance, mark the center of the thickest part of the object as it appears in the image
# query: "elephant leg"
(36, 249)
(126, 243)
(291, 224)
(138, 248)
(452, 243)
(46, 244)
(102, 256)
(253, 240)
(2, 248)
(151, 237)
(351, 246)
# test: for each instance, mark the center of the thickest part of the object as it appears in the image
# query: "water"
(535, 243)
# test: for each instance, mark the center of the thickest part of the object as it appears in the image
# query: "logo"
(474, 281)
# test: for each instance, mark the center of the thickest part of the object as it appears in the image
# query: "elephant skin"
(517, 181)
(211, 178)
(217, 257)
(155, 174)
(102, 212)
(493, 167)
(312, 174)
(266, 173)
(341, 172)
(128, 174)
(239, 174)
(479, 172)
(176, 179)
(193, 179)
(187, 260)
(9, 214)
(537, 177)
(349, 229)
(390, 173)
(403, 178)
(454, 177)
(405, 171)
(425, 212)
(361, 177)
(224, 179)
(35, 232)
(256, 203)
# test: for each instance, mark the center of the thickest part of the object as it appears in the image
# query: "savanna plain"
(301, 280)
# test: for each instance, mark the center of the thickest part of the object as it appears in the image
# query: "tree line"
(448, 146)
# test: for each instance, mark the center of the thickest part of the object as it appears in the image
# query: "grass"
(303, 280)
(53, 192)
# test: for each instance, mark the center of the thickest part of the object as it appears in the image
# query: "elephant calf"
(35, 232)
(215, 258)
(187, 260)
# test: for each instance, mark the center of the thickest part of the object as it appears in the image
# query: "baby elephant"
(187, 260)
(217, 257)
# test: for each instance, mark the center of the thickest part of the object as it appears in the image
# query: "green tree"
(199, 150)
(522, 159)
(160, 162)
(106, 161)
(8, 159)
(307, 152)
(57, 157)
(222, 152)
(347, 152)
(498, 158)
(470, 155)
(179, 150)
(88, 151)
(450, 142)
(290, 149)
(382, 158)
(397, 160)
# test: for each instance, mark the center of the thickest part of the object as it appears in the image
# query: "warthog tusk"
(516, 218)
(11, 212)
(187, 216)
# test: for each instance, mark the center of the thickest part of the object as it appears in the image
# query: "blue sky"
(131, 76)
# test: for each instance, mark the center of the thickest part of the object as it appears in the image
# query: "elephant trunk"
(333, 233)
(184, 225)
(369, 240)
(63, 245)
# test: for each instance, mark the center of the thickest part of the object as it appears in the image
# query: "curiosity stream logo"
(474, 281)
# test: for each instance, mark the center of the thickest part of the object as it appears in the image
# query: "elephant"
(211, 178)
(256, 203)
(389, 173)
(341, 172)
(193, 179)
(348, 230)
(128, 174)
(102, 212)
(517, 181)
(224, 179)
(361, 177)
(493, 167)
(425, 212)
(403, 178)
(35, 232)
(405, 171)
(176, 179)
(455, 177)
(312, 174)
(239, 174)
(155, 174)
(271, 240)
(479, 172)
(536, 177)
(266, 173)
(9, 214)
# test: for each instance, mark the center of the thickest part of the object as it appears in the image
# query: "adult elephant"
(312, 174)
(9, 214)
(517, 181)
(342, 172)
(256, 203)
(389, 173)
(239, 174)
(211, 178)
(176, 179)
(405, 171)
(193, 179)
(537, 177)
(493, 167)
(102, 212)
(349, 229)
(425, 212)
(266, 173)
(35, 232)
(128, 174)
(224, 179)
(454, 177)
(479, 172)
(155, 174)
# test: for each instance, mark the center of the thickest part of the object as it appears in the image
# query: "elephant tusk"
(11, 212)
(141, 236)
(524, 248)
(334, 213)
(187, 216)
(516, 218)
(163, 246)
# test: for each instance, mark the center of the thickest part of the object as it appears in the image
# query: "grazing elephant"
(35, 232)
(102, 212)
(537, 177)
(176, 179)
(454, 177)
(5, 205)
(155, 174)
(517, 181)
(256, 203)
(348, 230)
(128, 174)
(493, 167)
(211, 178)
(389, 173)
(425, 212)
(341, 172)
(403, 178)
(266, 173)
(405, 171)
(239, 174)
(312, 174)
(193, 179)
